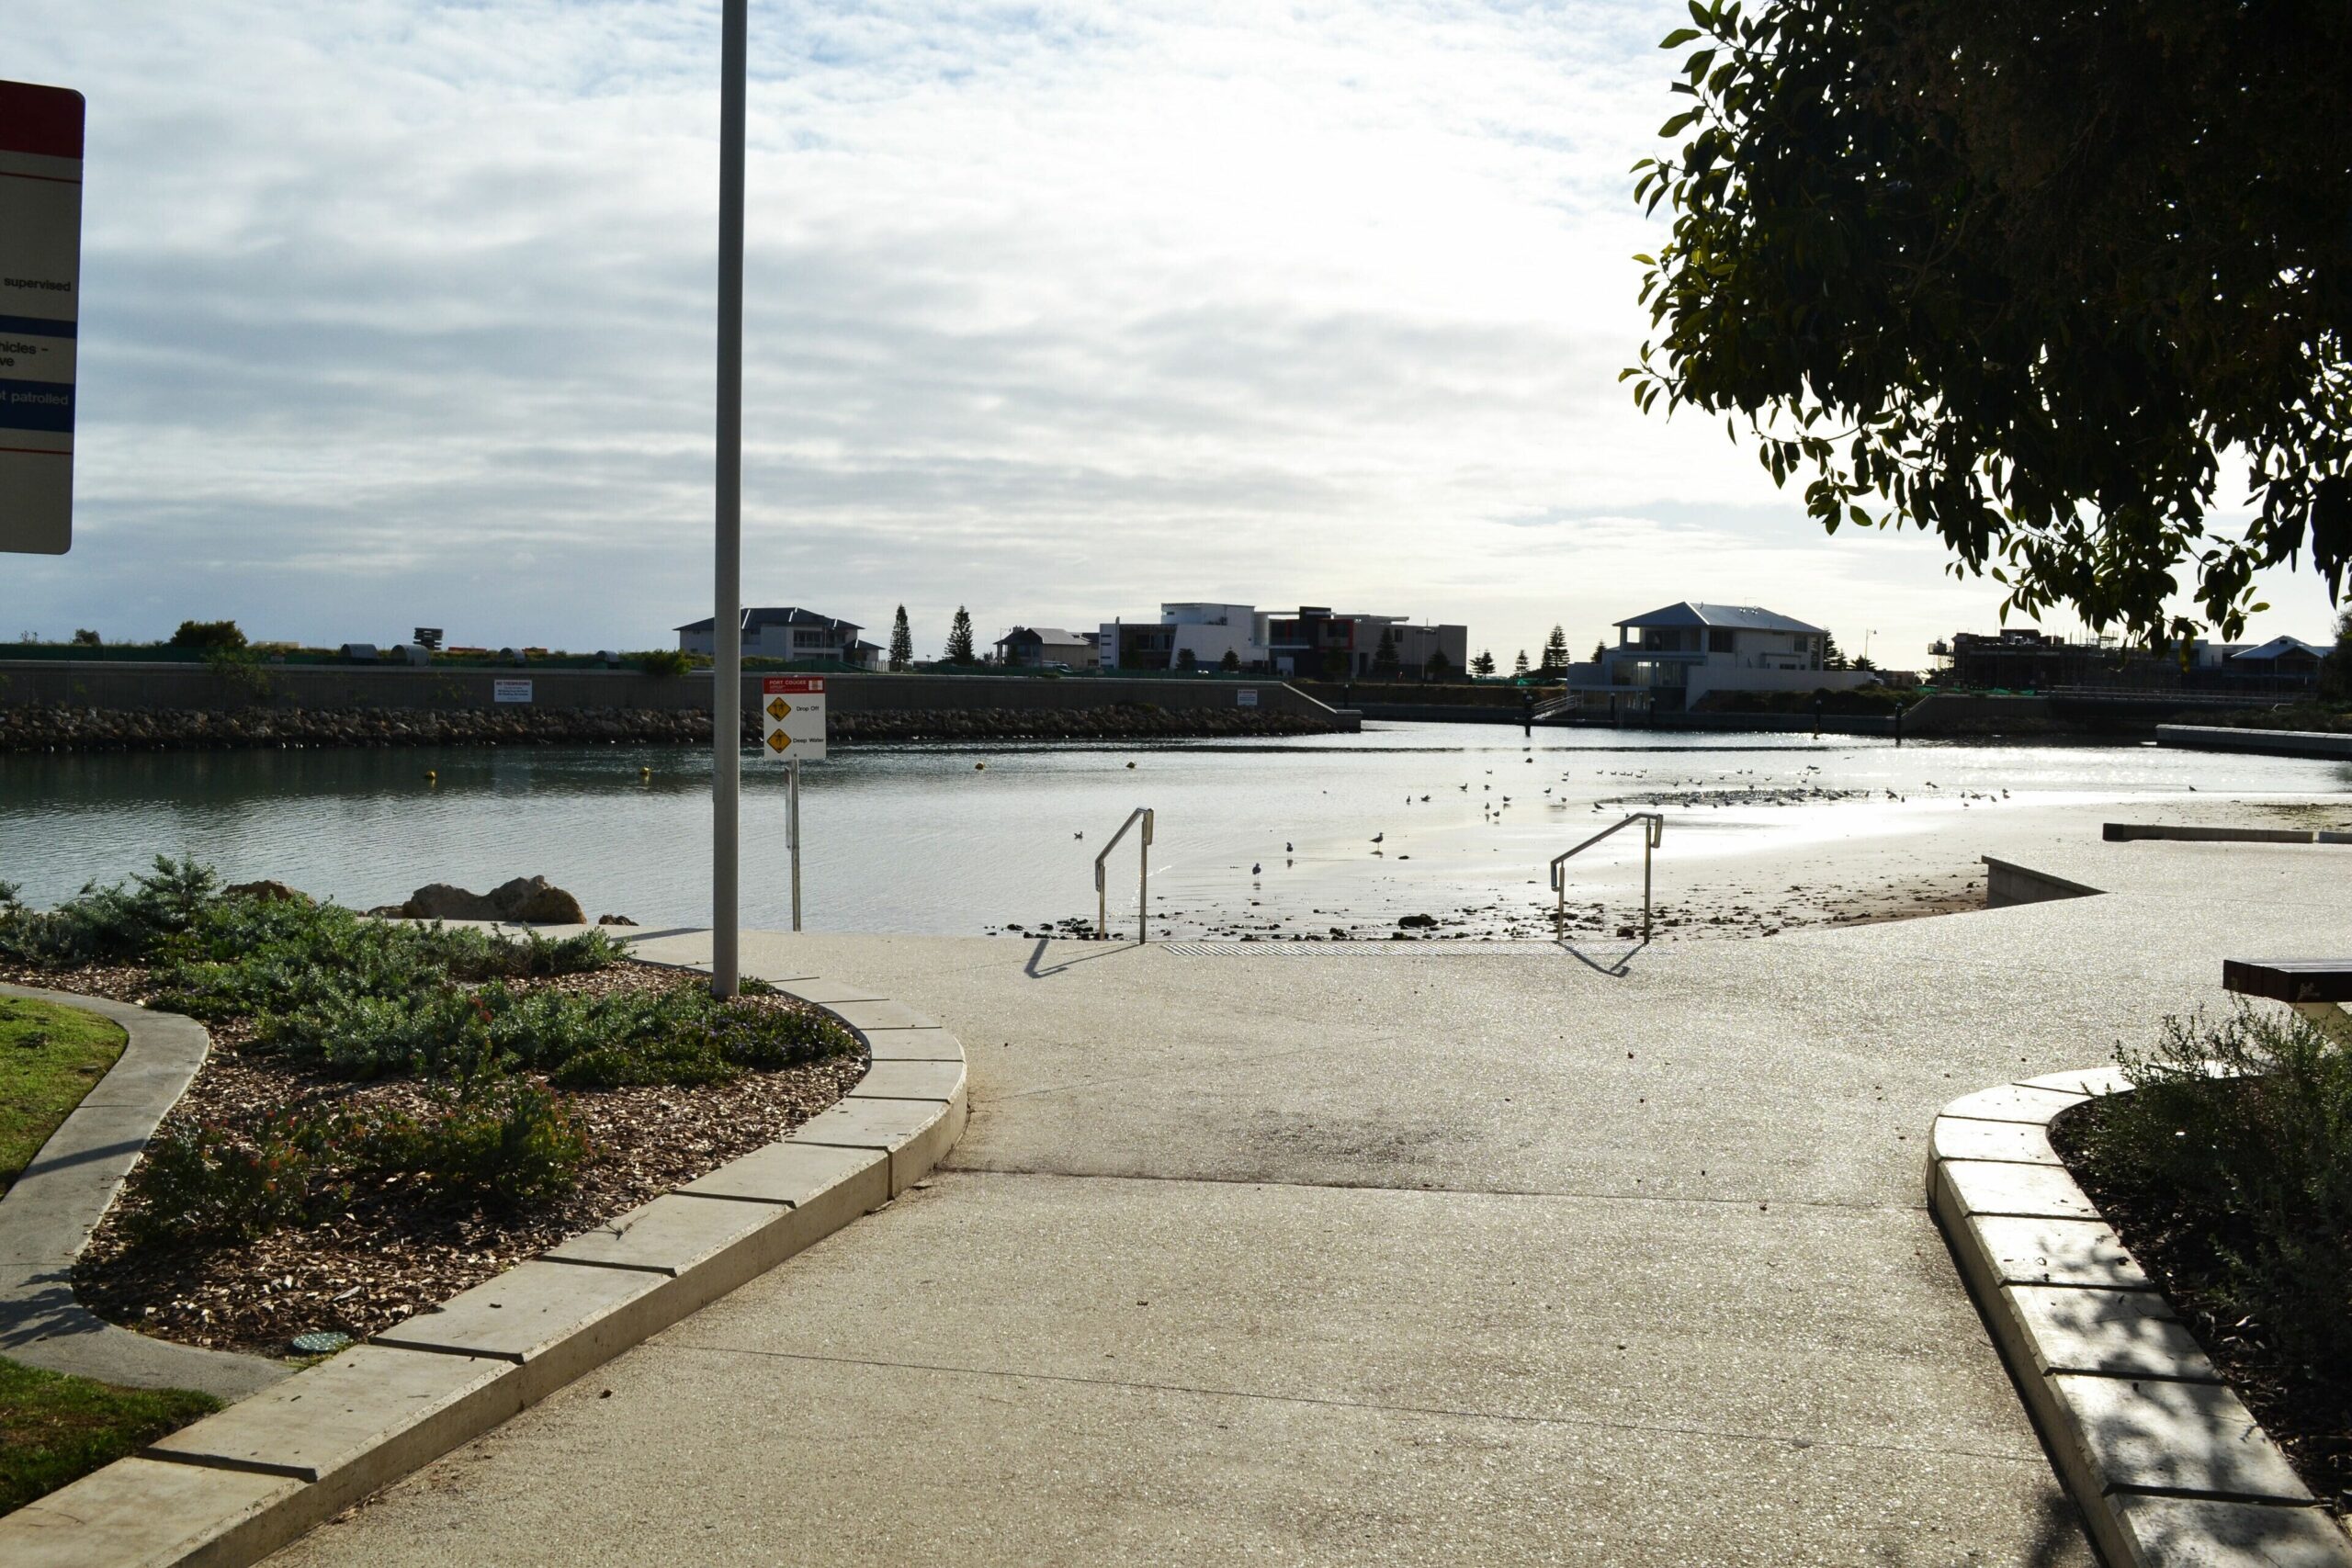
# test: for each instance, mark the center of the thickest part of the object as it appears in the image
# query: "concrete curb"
(2167, 1466)
(236, 1486)
(46, 1217)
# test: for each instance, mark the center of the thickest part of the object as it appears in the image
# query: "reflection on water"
(918, 839)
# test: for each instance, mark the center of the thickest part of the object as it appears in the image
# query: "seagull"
(1380, 837)
(1255, 868)
(1285, 846)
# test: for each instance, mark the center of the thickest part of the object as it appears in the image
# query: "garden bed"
(392, 1113)
(2234, 1193)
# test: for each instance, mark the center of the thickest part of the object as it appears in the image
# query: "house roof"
(1743, 618)
(1042, 634)
(775, 616)
(2277, 646)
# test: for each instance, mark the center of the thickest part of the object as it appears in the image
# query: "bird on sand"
(1380, 837)
(1079, 834)
(1255, 868)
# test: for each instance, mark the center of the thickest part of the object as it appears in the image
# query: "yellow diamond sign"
(792, 718)
(778, 741)
(778, 709)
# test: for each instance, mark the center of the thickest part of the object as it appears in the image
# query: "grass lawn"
(55, 1428)
(50, 1056)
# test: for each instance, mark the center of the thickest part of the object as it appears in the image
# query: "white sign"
(792, 718)
(41, 273)
(1247, 697)
(510, 691)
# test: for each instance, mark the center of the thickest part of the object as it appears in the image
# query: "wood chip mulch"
(398, 1251)
(2310, 1419)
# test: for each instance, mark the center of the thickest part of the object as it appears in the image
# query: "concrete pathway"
(52, 1209)
(1418, 1259)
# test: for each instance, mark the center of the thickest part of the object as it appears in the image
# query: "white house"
(1206, 632)
(1680, 653)
(787, 631)
(1038, 646)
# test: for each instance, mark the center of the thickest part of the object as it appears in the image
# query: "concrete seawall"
(2266, 742)
(620, 703)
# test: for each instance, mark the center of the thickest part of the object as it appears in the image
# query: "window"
(1721, 639)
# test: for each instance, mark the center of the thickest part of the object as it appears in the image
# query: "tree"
(1384, 658)
(86, 638)
(1231, 663)
(1555, 649)
(902, 641)
(1484, 664)
(959, 639)
(1864, 661)
(2023, 274)
(2336, 670)
(1519, 665)
(1832, 656)
(1600, 651)
(210, 637)
(1438, 666)
(1187, 660)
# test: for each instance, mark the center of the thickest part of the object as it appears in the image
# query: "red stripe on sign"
(43, 121)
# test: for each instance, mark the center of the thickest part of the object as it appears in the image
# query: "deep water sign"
(792, 718)
(41, 279)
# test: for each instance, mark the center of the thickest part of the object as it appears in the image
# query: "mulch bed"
(2310, 1421)
(399, 1251)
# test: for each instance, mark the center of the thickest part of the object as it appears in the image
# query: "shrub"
(2257, 1163)
(208, 636)
(86, 638)
(118, 922)
(503, 1141)
(209, 1181)
(665, 662)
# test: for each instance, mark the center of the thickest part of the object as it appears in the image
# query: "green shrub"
(126, 920)
(206, 1181)
(665, 662)
(506, 1142)
(2255, 1165)
(209, 635)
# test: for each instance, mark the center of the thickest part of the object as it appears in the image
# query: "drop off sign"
(41, 265)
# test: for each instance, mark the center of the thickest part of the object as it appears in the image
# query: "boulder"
(443, 901)
(614, 920)
(268, 891)
(524, 901)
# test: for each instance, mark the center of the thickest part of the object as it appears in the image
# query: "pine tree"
(1519, 665)
(1555, 649)
(902, 642)
(1600, 651)
(1484, 664)
(1231, 663)
(1384, 658)
(1439, 668)
(959, 639)
(1832, 656)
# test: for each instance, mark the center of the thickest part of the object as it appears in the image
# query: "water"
(924, 838)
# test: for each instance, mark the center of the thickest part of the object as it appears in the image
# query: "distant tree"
(1484, 664)
(1438, 666)
(902, 642)
(208, 636)
(1187, 660)
(1231, 663)
(1555, 649)
(959, 639)
(2336, 670)
(1384, 658)
(1600, 651)
(86, 638)
(1865, 662)
(1518, 664)
(1832, 656)
(1335, 664)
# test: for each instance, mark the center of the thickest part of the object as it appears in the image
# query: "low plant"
(206, 1181)
(503, 1141)
(2239, 1132)
(665, 662)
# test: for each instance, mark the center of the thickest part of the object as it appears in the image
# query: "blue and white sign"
(40, 277)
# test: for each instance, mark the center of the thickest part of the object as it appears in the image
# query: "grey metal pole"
(792, 809)
(727, 613)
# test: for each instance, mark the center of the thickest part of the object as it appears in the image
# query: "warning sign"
(792, 716)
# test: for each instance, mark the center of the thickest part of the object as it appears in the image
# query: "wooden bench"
(2319, 988)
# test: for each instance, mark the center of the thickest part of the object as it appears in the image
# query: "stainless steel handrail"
(1143, 893)
(1656, 829)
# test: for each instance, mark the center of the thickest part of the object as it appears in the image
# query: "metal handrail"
(1143, 895)
(1650, 840)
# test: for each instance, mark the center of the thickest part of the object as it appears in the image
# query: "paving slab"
(2118, 1333)
(672, 1234)
(2056, 1252)
(912, 1045)
(2015, 1102)
(913, 1133)
(911, 1080)
(2024, 1143)
(828, 992)
(2082, 1080)
(553, 1319)
(137, 1512)
(2150, 1435)
(881, 1015)
(802, 1175)
(1993, 1187)
(2182, 1532)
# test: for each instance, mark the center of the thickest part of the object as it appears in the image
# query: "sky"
(398, 312)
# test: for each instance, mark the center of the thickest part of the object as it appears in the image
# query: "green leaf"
(1679, 37)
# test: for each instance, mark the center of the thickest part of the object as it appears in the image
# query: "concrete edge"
(2099, 1396)
(50, 1213)
(231, 1489)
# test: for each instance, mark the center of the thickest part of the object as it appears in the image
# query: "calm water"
(919, 839)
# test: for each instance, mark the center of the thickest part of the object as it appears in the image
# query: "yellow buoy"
(432, 777)
(980, 767)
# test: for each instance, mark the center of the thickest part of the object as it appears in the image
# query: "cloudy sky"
(399, 312)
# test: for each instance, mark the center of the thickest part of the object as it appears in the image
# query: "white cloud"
(402, 311)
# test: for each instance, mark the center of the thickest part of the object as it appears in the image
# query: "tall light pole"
(727, 613)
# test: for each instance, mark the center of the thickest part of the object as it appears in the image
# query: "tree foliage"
(902, 641)
(2024, 272)
(1555, 649)
(1383, 657)
(1483, 662)
(959, 639)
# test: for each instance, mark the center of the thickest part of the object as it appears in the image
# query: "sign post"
(727, 584)
(41, 273)
(791, 726)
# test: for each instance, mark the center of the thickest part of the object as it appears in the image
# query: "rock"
(614, 920)
(268, 891)
(535, 901)
(1418, 923)
(443, 901)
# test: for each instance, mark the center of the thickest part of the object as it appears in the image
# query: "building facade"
(1192, 635)
(1318, 643)
(1037, 648)
(1677, 654)
(788, 632)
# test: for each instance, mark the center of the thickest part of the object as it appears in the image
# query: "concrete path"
(49, 1214)
(1413, 1258)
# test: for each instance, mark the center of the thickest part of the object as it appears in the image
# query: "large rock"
(527, 900)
